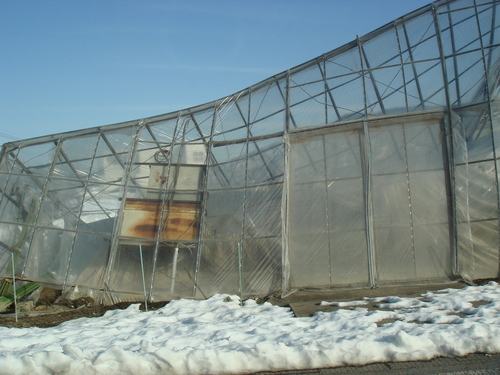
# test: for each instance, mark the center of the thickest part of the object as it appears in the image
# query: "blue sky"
(68, 64)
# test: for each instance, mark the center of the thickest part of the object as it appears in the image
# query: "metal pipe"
(80, 211)
(174, 270)
(488, 91)
(367, 160)
(41, 201)
(451, 146)
(204, 198)
(143, 279)
(240, 271)
(327, 213)
(168, 195)
(127, 173)
(14, 283)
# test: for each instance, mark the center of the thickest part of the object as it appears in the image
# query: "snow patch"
(219, 336)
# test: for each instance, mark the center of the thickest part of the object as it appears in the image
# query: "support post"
(14, 283)
(240, 273)
(174, 270)
(143, 280)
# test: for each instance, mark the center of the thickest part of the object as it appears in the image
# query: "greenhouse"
(373, 164)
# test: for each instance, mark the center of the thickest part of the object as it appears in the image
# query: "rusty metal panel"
(142, 219)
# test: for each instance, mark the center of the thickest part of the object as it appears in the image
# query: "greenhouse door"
(367, 210)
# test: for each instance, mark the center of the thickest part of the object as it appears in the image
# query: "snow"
(218, 336)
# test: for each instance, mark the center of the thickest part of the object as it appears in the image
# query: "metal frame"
(281, 98)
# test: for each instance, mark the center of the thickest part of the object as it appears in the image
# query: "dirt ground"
(50, 319)
(54, 315)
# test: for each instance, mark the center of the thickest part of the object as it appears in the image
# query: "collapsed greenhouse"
(373, 164)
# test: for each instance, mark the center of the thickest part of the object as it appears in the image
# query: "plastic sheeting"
(373, 163)
(399, 172)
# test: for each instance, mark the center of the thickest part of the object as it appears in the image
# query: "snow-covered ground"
(218, 336)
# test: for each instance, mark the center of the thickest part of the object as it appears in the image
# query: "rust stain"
(145, 231)
(162, 180)
(142, 220)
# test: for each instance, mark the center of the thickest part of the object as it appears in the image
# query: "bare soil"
(52, 316)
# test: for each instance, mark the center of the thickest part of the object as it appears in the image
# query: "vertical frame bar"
(490, 114)
(118, 222)
(204, 198)
(449, 138)
(42, 200)
(366, 157)
(166, 202)
(75, 232)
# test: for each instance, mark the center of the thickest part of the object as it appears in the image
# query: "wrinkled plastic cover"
(375, 163)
